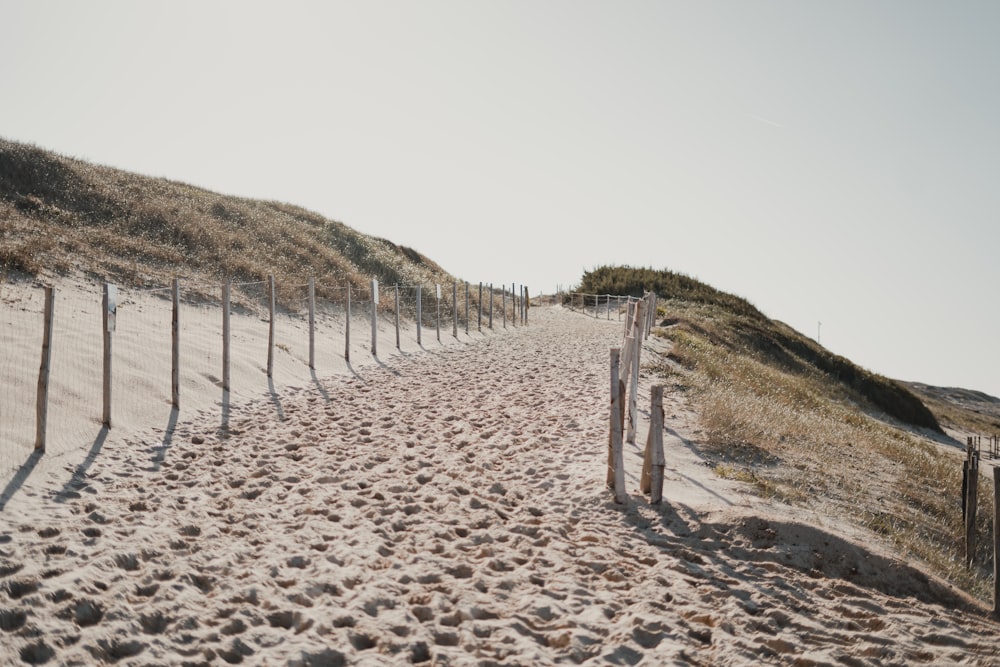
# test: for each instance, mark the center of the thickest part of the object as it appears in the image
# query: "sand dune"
(446, 506)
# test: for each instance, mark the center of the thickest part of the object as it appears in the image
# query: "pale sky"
(829, 161)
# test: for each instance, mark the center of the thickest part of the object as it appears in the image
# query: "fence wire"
(142, 348)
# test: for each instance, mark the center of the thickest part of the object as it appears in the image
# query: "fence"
(639, 316)
(129, 358)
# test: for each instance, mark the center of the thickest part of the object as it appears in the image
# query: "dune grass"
(797, 431)
(63, 216)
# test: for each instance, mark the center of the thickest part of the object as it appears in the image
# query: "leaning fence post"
(109, 312)
(42, 397)
(633, 408)
(175, 330)
(270, 327)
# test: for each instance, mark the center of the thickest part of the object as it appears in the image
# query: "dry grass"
(61, 215)
(797, 433)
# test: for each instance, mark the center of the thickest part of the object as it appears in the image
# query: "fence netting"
(142, 387)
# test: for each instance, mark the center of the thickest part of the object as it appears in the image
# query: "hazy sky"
(830, 161)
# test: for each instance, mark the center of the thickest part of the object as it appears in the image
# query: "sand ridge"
(445, 507)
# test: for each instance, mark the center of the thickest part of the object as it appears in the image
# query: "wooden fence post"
(312, 323)
(42, 397)
(396, 298)
(438, 289)
(374, 289)
(226, 331)
(270, 328)
(633, 403)
(347, 326)
(653, 459)
(513, 306)
(466, 307)
(454, 309)
(420, 313)
(616, 454)
(996, 541)
(503, 305)
(175, 331)
(970, 519)
(479, 308)
(491, 306)
(109, 312)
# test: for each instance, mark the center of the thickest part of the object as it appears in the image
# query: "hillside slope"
(813, 430)
(61, 215)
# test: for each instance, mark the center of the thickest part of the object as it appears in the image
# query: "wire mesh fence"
(172, 347)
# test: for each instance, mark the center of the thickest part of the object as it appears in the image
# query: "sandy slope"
(445, 507)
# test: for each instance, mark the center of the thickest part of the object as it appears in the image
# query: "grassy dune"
(814, 430)
(61, 215)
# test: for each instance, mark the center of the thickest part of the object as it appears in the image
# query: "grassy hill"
(811, 429)
(61, 215)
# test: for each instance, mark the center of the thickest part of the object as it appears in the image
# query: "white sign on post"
(112, 307)
(374, 291)
(438, 291)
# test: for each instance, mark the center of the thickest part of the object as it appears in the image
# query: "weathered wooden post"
(420, 313)
(226, 291)
(491, 306)
(312, 323)
(527, 304)
(996, 541)
(479, 308)
(270, 328)
(109, 312)
(503, 306)
(374, 289)
(466, 307)
(396, 298)
(653, 460)
(616, 452)
(42, 397)
(633, 404)
(347, 326)
(454, 310)
(970, 520)
(175, 332)
(513, 305)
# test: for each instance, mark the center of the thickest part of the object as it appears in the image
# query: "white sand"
(442, 506)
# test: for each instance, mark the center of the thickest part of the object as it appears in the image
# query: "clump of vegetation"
(630, 281)
(62, 215)
(806, 427)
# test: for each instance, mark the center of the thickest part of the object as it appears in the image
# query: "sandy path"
(446, 507)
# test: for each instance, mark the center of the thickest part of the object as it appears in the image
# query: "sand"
(444, 506)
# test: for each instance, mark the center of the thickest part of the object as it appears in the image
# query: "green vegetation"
(808, 428)
(62, 215)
